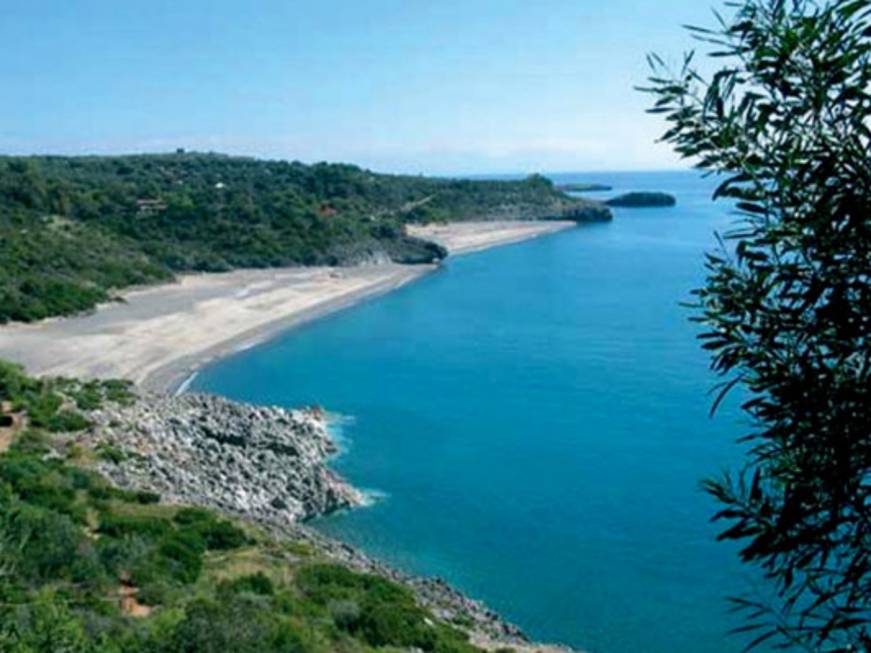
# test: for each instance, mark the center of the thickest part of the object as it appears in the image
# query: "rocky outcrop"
(267, 464)
(588, 211)
(642, 200)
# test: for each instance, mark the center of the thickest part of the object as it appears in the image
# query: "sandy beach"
(467, 237)
(159, 336)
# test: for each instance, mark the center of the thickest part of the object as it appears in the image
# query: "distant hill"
(583, 188)
(74, 228)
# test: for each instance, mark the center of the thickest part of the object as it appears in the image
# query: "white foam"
(371, 497)
(185, 384)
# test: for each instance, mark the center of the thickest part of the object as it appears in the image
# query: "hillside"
(73, 229)
(91, 567)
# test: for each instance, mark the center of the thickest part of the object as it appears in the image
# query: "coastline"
(468, 237)
(159, 337)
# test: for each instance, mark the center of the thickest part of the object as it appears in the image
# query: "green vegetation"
(72, 229)
(89, 568)
(56, 405)
(787, 303)
(642, 200)
(583, 188)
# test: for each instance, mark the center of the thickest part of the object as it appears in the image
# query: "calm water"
(533, 419)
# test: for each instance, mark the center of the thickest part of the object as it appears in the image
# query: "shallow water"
(533, 420)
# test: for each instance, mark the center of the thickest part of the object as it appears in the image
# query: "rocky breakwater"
(267, 464)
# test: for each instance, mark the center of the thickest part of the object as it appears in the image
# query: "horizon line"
(310, 162)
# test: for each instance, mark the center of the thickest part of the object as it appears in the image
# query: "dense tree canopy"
(787, 304)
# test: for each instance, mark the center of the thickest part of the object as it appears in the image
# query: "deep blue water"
(535, 419)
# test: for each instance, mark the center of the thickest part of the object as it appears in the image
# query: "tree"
(786, 307)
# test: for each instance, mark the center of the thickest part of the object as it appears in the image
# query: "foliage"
(380, 612)
(787, 304)
(55, 404)
(74, 229)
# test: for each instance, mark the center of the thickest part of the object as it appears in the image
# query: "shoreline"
(176, 376)
(469, 237)
(130, 337)
(160, 337)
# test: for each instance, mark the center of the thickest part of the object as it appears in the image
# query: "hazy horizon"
(456, 89)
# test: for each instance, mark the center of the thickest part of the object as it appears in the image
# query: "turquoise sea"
(532, 422)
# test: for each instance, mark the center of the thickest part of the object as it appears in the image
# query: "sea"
(532, 423)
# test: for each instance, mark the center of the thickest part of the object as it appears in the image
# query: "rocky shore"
(267, 466)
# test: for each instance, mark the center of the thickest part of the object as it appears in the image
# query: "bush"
(235, 624)
(52, 542)
(218, 534)
(257, 583)
(181, 555)
(110, 453)
(148, 527)
(345, 613)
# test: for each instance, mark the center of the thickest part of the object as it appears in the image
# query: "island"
(639, 200)
(583, 188)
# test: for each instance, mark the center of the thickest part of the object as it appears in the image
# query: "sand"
(158, 337)
(467, 237)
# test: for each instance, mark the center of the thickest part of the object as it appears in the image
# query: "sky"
(412, 86)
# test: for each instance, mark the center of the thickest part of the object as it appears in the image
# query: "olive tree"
(783, 121)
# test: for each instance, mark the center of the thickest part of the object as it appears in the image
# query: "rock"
(588, 211)
(642, 200)
(263, 463)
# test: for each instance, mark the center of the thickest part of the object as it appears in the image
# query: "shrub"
(257, 583)
(52, 541)
(181, 555)
(148, 527)
(218, 534)
(236, 624)
(345, 613)
(110, 452)
(145, 497)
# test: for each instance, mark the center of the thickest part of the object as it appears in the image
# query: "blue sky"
(473, 86)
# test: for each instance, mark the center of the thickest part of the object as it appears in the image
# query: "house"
(150, 206)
